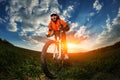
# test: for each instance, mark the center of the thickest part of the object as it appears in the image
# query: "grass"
(17, 63)
(96, 65)
(21, 64)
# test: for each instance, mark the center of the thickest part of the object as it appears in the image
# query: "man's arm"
(65, 26)
(50, 31)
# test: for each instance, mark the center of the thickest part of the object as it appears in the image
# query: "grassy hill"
(17, 63)
(100, 64)
(22, 64)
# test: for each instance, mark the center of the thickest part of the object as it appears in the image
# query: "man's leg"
(65, 52)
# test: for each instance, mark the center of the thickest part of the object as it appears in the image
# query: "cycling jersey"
(55, 26)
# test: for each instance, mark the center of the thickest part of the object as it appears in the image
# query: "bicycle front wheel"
(50, 65)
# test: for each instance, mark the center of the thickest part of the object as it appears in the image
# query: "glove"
(67, 28)
(48, 35)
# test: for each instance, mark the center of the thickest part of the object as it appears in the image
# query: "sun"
(75, 48)
(71, 45)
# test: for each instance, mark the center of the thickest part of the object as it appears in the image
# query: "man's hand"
(47, 35)
(67, 28)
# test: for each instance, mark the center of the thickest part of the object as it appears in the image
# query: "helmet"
(55, 14)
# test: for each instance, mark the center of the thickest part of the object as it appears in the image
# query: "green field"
(22, 64)
(17, 63)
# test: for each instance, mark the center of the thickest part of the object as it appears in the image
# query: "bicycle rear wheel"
(50, 64)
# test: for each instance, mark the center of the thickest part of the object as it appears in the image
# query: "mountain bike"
(53, 53)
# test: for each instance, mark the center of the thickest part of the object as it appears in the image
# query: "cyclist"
(56, 24)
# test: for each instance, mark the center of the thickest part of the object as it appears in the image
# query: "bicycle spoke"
(52, 65)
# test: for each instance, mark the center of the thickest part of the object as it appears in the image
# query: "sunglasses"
(53, 15)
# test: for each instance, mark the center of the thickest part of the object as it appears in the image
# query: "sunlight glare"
(71, 45)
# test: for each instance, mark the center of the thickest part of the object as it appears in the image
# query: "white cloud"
(70, 8)
(112, 35)
(97, 5)
(22, 33)
(92, 14)
(73, 26)
(81, 32)
(66, 12)
(108, 23)
(30, 13)
(2, 20)
(31, 5)
(12, 26)
(117, 19)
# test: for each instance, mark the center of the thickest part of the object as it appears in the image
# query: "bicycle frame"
(59, 40)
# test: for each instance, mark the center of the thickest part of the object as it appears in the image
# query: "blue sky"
(24, 22)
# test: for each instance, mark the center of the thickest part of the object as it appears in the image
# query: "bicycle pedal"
(66, 57)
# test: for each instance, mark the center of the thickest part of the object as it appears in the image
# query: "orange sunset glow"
(77, 44)
(75, 48)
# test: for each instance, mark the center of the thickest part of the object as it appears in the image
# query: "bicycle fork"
(58, 52)
(61, 47)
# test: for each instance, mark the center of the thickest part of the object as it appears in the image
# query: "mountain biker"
(55, 26)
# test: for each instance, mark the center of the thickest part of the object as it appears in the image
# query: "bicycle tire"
(44, 58)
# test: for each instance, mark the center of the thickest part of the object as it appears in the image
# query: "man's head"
(54, 17)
